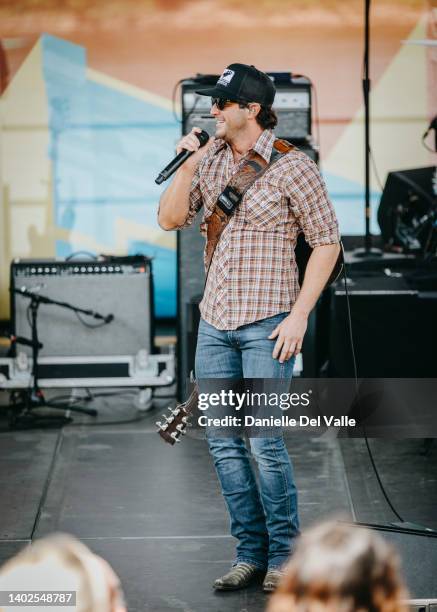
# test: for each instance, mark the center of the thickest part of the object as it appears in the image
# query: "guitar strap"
(252, 169)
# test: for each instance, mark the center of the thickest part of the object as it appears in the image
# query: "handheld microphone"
(180, 159)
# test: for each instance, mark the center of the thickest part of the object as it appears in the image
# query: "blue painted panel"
(107, 147)
(164, 268)
(348, 199)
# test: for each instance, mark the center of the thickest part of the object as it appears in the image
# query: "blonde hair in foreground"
(341, 568)
(62, 563)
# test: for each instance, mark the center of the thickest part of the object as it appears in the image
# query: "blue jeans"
(263, 516)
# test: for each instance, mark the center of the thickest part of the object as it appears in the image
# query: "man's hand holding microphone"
(190, 150)
(174, 204)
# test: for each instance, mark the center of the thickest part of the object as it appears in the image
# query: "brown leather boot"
(240, 576)
(271, 580)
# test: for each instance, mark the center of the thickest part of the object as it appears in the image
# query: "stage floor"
(156, 514)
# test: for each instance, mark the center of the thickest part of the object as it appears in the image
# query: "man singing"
(253, 313)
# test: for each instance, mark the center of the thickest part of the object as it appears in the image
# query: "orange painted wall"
(154, 44)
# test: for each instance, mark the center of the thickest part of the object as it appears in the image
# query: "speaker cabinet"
(393, 324)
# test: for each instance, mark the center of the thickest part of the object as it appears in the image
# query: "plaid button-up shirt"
(253, 274)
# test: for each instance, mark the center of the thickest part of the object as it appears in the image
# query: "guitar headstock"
(174, 425)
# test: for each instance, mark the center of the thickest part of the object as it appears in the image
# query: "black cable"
(76, 253)
(372, 460)
(90, 325)
(108, 423)
(375, 170)
(432, 126)
(316, 104)
(114, 393)
(426, 146)
(354, 361)
(58, 399)
(158, 397)
(47, 484)
(91, 397)
(192, 109)
(28, 316)
(65, 402)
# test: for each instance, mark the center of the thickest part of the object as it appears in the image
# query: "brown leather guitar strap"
(253, 168)
(214, 225)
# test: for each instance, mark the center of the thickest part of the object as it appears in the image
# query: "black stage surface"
(156, 513)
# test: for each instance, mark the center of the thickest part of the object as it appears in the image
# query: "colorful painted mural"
(87, 116)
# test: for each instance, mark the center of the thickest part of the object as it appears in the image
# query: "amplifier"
(195, 108)
(292, 105)
(118, 286)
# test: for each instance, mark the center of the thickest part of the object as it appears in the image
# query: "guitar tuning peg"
(180, 427)
(184, 419)
(174, 435)
(183, 432)
(176, 411)
(158, 424)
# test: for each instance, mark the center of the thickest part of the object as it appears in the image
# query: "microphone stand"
(33, 398)
(367, 252)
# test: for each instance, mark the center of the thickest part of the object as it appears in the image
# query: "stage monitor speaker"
(119, 286)
(406, 210)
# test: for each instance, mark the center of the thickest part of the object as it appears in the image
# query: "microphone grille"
(203, 138)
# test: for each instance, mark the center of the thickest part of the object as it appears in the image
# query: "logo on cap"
(226, 77)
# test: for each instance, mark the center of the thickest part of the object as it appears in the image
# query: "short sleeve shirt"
(253, 273)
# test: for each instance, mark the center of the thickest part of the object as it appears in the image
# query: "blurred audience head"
(341, 568)
(62, 563)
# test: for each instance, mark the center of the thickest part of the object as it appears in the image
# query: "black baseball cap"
(244, 83)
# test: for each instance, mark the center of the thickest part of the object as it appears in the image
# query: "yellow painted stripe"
(130, 90)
